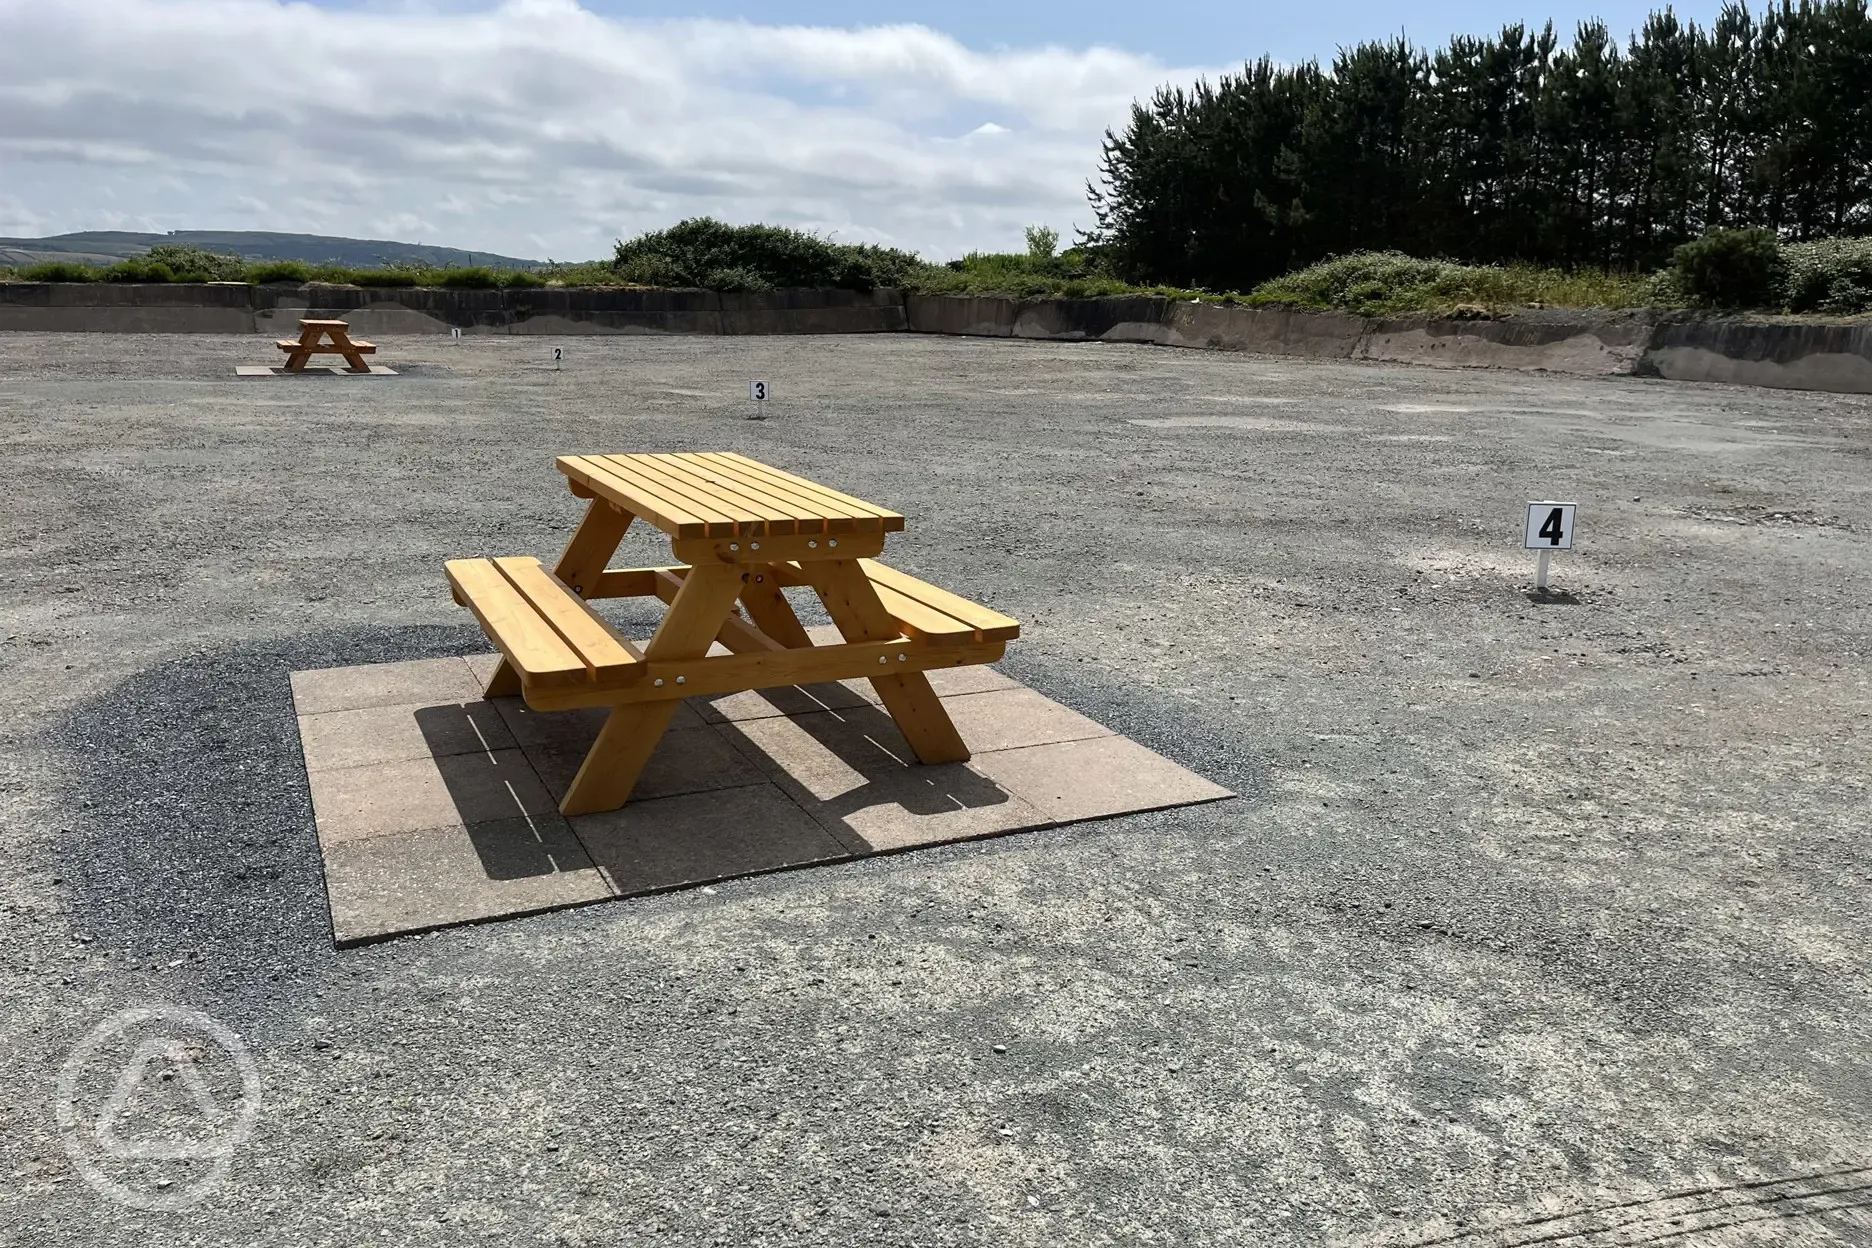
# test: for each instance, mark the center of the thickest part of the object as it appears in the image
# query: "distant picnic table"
(325, 338)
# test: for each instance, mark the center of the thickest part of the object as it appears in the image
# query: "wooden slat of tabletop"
(749, 519)
(779, 519)
(835, 502)
(810, 509)
(668, 514)
(722, 521)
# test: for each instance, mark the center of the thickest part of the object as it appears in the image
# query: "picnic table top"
(722, 494)
(310, 324)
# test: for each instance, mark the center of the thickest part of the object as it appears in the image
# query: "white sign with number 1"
(1549, 528)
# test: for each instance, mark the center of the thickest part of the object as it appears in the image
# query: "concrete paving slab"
(857, 778)
(786, 781)
(1095, 778)
(947, 682)
(700, 837)
(437, 877)
(311, 370)
(387, 734)
(1006, 719)
(409, 795)
(482, 665)
(569, 732)
(430, 681)
(766, 703)
(687, 760)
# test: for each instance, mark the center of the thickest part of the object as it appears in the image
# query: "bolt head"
(659, 682)
(682, 680)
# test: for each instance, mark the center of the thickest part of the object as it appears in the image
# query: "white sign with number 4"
(1549, 526)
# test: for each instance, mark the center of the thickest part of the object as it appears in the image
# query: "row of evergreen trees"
(1497, 150)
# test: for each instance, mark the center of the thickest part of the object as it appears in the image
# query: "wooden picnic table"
(742, 532)
(325, 338)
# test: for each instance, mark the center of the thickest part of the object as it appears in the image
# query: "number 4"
(1554, 530)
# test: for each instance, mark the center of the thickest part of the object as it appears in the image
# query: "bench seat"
(929, 613)
(544, 629)
(324, 348)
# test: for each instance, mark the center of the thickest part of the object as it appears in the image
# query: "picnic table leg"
(854, 606)
(631, 733)
(768, 607)
(357, 362)
(593, 543)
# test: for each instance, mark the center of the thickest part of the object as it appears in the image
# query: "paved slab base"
(311, 370)
(436, 807)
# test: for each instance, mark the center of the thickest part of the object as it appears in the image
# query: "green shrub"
(139, 270)
(278, 271)
(1042, 242)
(520, 279)
(476, 278)
(60, 271)
(1831, 276)
(191, 264)
(1386, 283)
(702, 252)
(1731, 269)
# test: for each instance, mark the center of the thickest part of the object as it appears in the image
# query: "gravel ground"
(1536, 920)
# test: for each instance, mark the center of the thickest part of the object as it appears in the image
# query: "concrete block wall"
(1835, 356)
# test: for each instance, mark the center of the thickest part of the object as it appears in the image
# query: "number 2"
(1553, 531)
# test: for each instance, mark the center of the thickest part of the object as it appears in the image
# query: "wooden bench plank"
(589, 636)
(989, 623)
(540, 654)
(326, 348)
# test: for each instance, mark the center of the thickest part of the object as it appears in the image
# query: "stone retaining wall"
(1835, 357)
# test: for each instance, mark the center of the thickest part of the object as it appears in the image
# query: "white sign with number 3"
(757, 390)
(1549, 526)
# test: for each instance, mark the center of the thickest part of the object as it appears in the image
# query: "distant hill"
(110, 246)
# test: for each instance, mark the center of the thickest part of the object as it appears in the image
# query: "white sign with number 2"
(1549, 526)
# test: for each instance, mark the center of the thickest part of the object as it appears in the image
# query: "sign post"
(757, 391)
(1549, 528)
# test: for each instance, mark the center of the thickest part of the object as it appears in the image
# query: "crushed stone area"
(1533, 918)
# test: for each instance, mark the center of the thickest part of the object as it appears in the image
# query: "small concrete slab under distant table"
(436, 807)
(311, 370)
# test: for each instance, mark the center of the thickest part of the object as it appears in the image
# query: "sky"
(550, 128)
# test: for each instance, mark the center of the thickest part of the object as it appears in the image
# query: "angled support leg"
(631, 733)
(770, 610)
(593, 543)
(854, 606)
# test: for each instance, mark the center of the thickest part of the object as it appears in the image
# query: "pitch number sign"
(1549, 526)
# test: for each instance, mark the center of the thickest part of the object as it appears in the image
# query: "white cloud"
(537, 127)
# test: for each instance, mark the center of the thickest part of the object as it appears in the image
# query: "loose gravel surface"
(1536, 921)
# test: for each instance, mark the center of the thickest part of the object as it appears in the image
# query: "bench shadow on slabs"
(575, 765)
